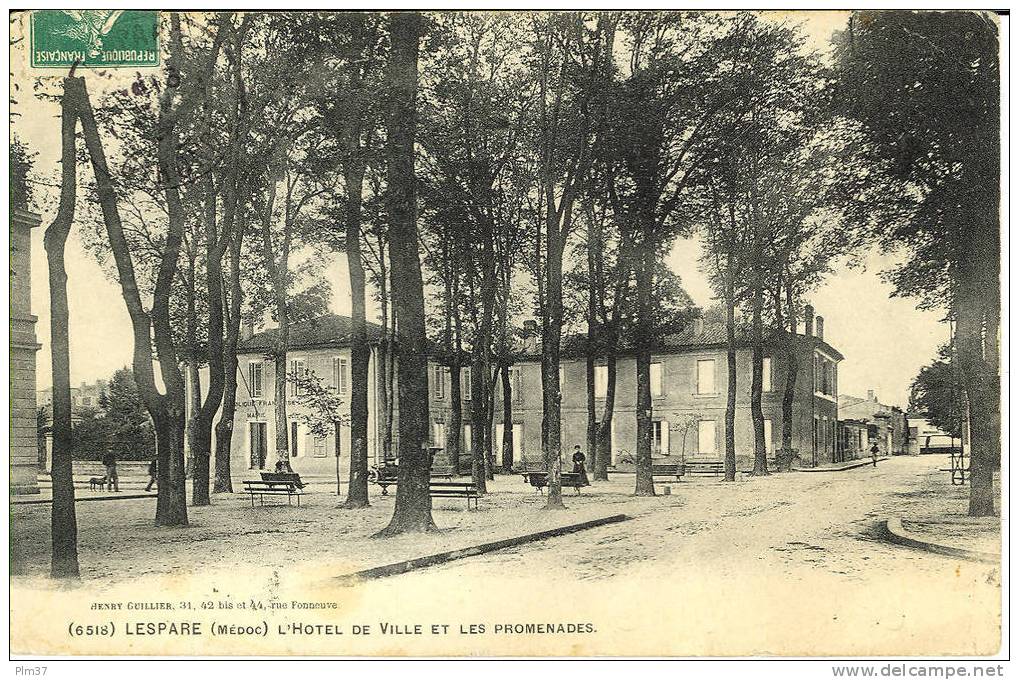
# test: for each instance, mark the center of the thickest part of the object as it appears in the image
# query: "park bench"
(386, 475)
(714, 468)
(443, 472)
(455, 490)
(539, 480)
(283, 477)
(263, 488)
(666, 470)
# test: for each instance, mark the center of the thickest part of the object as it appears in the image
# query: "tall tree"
(63, 522)
(569, 60)
(413, 507)
(661, 116)
(925, 88)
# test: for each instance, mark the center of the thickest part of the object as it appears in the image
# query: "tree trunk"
(385, 383)
(552, 328)
(757, 382)
(357, 490)
(479, 416)
(592, 419)
(280, 396)
(792, 368)
(63, 521)
(730, 346)
(603, 454)
(216, 239)
(233, 297)
(981, 399)
(453, 432)
(193, 377)
(644, 485)
(413, 507)
(507, 418)
(167, 411)
(225, 425)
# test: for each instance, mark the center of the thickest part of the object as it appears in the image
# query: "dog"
(97, 482)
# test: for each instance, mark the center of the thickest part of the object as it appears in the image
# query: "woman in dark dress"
(578, 465)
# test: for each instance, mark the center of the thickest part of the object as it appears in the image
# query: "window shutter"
(665, 438)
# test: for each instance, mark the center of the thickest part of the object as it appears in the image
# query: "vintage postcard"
(506, 334)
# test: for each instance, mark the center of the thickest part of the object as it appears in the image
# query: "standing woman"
(578, 465)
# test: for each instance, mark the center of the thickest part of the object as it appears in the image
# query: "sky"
(885, 340)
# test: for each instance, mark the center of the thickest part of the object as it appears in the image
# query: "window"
(659, 438)
(439, 382)
(518, 441)
(601, 381)
(318, 447)
(766, 375)
(517, 383)
(706, 436)
(465, 383)
(706, 377)
(297, 371)
(340, 374)
(255, 379)
(439, 434)
(768, 446)
(656, 379)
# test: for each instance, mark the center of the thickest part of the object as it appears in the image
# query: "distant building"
(689, 378)
(85, 396)
(919, 430)
(23, 348)
(885, 424)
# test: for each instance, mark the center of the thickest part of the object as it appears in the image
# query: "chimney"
(870, 395)
(698, 326)
(820, 327)
(808, 320)
(247, 330)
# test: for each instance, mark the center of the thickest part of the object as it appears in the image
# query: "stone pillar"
(24, 439)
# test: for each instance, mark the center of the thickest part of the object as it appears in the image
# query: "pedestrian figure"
(873, 454)
(578, 465)
(152, 475)
(110, 461)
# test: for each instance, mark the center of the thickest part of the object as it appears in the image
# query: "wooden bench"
(262, 488)
(539, 480)
(443, 472)
(455, 490)
(714, 468)
(283, 477)
(386, 476)
(666, 470)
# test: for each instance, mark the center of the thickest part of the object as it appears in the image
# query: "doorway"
(258, 444)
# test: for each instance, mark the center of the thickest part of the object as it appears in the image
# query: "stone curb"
(895, 533)
(850, 466)
(91, 498)
(404, 566)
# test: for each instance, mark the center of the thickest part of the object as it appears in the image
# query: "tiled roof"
(691, 337)
(331, 330)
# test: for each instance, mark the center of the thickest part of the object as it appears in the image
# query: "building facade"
(689, 375)
(689, 382)
(885, 424)
(24, 430)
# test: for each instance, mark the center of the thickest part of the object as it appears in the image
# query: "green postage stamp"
(95, 38)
